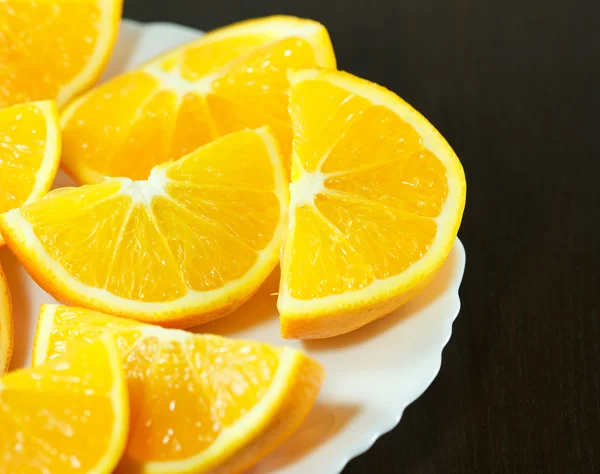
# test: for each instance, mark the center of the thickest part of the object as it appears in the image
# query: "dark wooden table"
(514, 86)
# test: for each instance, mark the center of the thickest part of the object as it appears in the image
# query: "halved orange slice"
(230, 79)
(6, 324)
(199, 403)
(189, 244)
(377, 197)
(54, 49)
(29, 153)
(70, 415)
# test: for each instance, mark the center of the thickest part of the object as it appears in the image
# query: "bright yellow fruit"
(29, 153)
(54, 49)
(6, 324)
(199, 403)
(228, 80)
(377, 197)
(189, 244)
(70, 415)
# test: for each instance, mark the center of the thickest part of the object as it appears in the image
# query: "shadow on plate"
(63, 180)
(259, 309)
(21, 307)
(443, 283)
(323, 422)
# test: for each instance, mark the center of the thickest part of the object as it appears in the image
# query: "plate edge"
(369, 440)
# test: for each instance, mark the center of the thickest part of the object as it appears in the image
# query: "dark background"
(514, 87)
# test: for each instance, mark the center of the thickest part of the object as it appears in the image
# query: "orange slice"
(69, 415)
(377, 197)
(6, 324)
(199, 403)
(230, 79)
(189, 244)
(54, 49)
(29, 153)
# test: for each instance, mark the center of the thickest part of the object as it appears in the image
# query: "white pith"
(49, 164)
(174, 81)
(6, 327)
(306, 187)
(143, 191)
(119, 435)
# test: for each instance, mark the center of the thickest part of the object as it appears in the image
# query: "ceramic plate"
(371, 374)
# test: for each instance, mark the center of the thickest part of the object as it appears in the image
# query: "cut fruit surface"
(54, 49)
(189, 244)
(228, 80)
(70, 415)
(6, 324)
(377, 197)
(200, 403)
(29, 153)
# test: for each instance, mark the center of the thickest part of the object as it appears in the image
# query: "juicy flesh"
(191, 96)
(43, 47)
(365, 193)
(185, 389)
(197, 226)
(22, 149)
(46, 411)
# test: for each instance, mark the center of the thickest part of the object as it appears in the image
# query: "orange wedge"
(29, 153)
(6, 324)
(69, 415)
(377, 198)
(230, 79)
(189, 244)
(199, 403)
(54, 49)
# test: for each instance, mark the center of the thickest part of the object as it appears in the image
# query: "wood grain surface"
(515, 88)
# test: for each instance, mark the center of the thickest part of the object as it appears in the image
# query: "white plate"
(371, 374)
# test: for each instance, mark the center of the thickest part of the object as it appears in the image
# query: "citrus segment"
(377, 197)
(194, 241)
(200, 403)
(318, 249)
(189, 244)
(321, 112)
(54, 49)
(6, 324)
(47, 411)
(419, 187)
(192, 127)
(148, 140)
(369, 228)
(29, 153)
(203, 58)
(228, 80)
